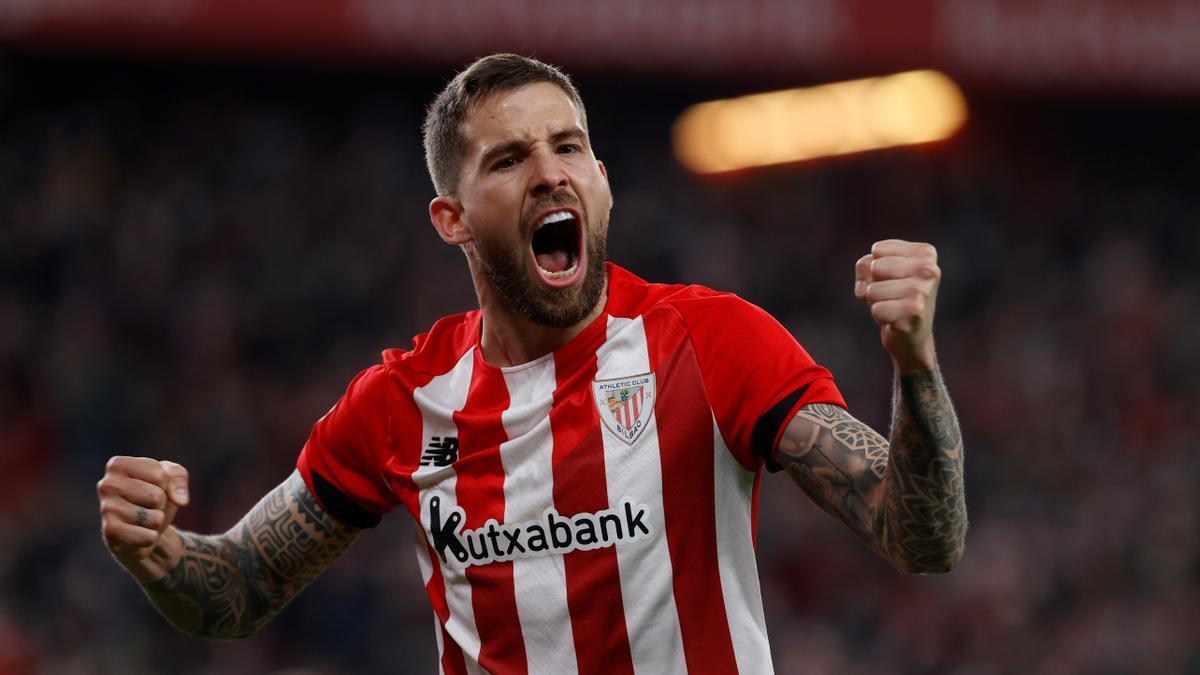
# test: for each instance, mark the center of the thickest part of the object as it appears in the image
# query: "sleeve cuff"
(340, 506)
(771, 425)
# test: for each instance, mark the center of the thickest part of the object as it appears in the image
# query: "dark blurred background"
(213, 214)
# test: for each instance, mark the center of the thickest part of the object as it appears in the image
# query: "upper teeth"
(554, 217)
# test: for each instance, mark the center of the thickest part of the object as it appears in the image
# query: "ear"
(446, 214)
(604, 172)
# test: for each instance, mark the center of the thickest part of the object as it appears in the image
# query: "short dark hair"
(444, 142)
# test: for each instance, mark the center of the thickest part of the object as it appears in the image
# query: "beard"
(506, 269)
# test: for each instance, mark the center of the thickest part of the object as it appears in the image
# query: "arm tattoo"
(904, 498)
(227, 586)
(927, 506)
(841, 464)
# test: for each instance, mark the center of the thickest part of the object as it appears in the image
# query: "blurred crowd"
(195, 260)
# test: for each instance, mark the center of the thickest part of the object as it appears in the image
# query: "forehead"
(527, 113)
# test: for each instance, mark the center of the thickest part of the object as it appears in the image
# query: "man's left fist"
(899, 281)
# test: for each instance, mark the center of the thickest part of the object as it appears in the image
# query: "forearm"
(218, 588)
(228, 586)
(925, 507)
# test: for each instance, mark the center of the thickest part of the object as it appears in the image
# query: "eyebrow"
(557, 137)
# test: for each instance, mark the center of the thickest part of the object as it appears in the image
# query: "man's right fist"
(138, 500)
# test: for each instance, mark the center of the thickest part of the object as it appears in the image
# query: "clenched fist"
(899, 281)
(138, 500)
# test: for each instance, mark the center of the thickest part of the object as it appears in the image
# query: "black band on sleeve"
(342, 507)
(762, 439)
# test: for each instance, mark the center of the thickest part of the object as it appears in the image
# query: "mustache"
(553, 200)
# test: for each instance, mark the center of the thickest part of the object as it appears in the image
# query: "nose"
(548, 175)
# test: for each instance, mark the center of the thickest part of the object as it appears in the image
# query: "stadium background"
(212, 215)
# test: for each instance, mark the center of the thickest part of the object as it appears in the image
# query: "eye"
(504, 163)
(568, 149)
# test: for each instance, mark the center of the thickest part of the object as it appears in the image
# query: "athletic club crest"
(625, 404)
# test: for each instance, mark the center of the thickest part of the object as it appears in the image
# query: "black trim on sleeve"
(342, 507)
(762, 439)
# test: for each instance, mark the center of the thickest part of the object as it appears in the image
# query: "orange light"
(832, 119)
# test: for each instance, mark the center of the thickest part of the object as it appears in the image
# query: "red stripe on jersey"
(480, 493)
(580, 484)
(453, 662)
(688, 493)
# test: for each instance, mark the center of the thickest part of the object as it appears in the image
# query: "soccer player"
(581, 454)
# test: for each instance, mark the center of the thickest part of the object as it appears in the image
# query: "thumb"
(175, 483)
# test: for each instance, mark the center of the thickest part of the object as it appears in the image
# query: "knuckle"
(115, 463)
(108, 527)
(106, 488)
(156, 473)
(155, 518)
(159, 497)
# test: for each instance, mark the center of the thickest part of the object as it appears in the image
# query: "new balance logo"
(548, 535)
(441, 451)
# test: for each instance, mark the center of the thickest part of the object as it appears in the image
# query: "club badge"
(625, 404)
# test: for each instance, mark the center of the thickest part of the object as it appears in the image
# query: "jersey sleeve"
(756, 375)
(340, 463)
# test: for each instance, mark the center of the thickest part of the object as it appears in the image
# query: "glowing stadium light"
(833, 119)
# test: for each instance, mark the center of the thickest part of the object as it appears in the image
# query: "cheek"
(495, 213)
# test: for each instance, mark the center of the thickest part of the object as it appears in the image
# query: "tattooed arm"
(224, 586)
(904, 497)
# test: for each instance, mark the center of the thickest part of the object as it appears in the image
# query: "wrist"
(922, 362)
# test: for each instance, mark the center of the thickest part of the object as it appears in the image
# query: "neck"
(510, 339)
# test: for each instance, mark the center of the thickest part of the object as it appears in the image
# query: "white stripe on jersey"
(438, 401)
(539, 583)
(647, 589)
(437, 633)
(734, 492)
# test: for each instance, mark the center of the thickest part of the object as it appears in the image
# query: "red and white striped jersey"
(593, 510)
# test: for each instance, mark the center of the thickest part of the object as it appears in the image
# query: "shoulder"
(436, 350)
(399, 371)
(630, 295)
(697, 306)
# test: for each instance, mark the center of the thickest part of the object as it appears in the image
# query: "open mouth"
(557, 246)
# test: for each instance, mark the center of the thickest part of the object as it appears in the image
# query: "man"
(582, 453)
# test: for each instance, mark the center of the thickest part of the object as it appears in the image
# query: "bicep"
(840, 463)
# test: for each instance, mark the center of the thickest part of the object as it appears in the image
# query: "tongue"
(554, 261)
